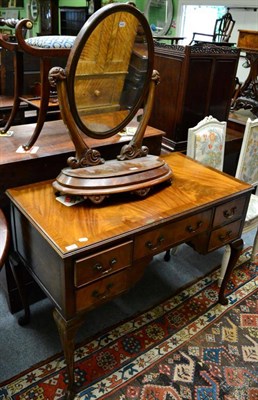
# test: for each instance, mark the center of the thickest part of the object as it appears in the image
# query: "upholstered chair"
(206, 142)
(247, 170)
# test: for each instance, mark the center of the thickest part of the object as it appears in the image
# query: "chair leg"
(255, 246)
(45, 65)
(224, 264)
(18, 88)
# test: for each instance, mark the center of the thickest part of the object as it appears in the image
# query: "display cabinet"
(195, 81)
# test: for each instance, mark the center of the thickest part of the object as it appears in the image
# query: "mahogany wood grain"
(85, 255)
(188, 192)
(55, 146)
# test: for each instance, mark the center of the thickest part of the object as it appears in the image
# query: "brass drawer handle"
(100, 268)
(192, 229)
(101, 296)
(229, 213)
(227, 236)
(152, 246)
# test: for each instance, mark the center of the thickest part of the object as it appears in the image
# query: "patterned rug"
(187, 348)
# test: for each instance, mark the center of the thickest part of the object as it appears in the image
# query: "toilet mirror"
(108, 78)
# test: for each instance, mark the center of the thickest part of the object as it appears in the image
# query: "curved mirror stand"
(109, 76)
(159, 14)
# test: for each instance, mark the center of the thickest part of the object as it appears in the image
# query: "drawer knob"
(100, 268)
(152, 246)
(112, 262)
(102, 295)
(229, 213)
(192, 229)
(225, 237)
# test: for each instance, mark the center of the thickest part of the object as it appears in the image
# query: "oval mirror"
(159, 14)
(109, 70)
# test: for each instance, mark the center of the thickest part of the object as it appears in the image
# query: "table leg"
(236, 248)
(15, 265)
(67, 331)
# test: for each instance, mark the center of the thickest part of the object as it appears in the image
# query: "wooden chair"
(221, 33)
(46, 48)
(247, 170)
(206, 144)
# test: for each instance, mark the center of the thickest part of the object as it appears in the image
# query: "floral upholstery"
(252, 211)
(209, 147)
(206, 142)
(248, 163)
(52, 42)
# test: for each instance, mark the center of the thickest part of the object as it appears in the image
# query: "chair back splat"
(221, 33)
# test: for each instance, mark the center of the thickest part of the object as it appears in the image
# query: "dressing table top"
(194, 187)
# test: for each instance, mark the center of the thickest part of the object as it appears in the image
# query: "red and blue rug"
(187, 348)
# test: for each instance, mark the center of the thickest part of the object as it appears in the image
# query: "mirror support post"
(134, 148)
(84, 154)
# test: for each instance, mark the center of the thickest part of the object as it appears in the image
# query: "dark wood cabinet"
(72, 19)
(195, 81)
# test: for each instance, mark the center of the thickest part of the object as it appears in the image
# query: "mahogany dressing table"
(85, 255)
(134, 206)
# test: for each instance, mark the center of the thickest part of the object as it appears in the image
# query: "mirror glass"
(111, 73)
(159, 14)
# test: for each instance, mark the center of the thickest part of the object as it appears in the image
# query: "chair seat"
(52, 42)
(252, 212)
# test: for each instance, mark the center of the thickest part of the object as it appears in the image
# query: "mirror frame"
(167, 26)
(76, 50)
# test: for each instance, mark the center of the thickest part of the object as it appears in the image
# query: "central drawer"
(171, 234)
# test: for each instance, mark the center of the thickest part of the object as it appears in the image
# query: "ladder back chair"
(221, 33)
(247, 170)
(206, 144)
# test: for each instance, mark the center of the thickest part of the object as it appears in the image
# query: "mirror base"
(100, 181)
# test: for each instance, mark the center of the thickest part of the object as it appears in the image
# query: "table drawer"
(225, 234)
(229, 211)
(102, 290)
(162, 238)
(101, 264)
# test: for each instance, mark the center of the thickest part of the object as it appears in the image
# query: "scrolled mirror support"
(134, 148)
(84, 155)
